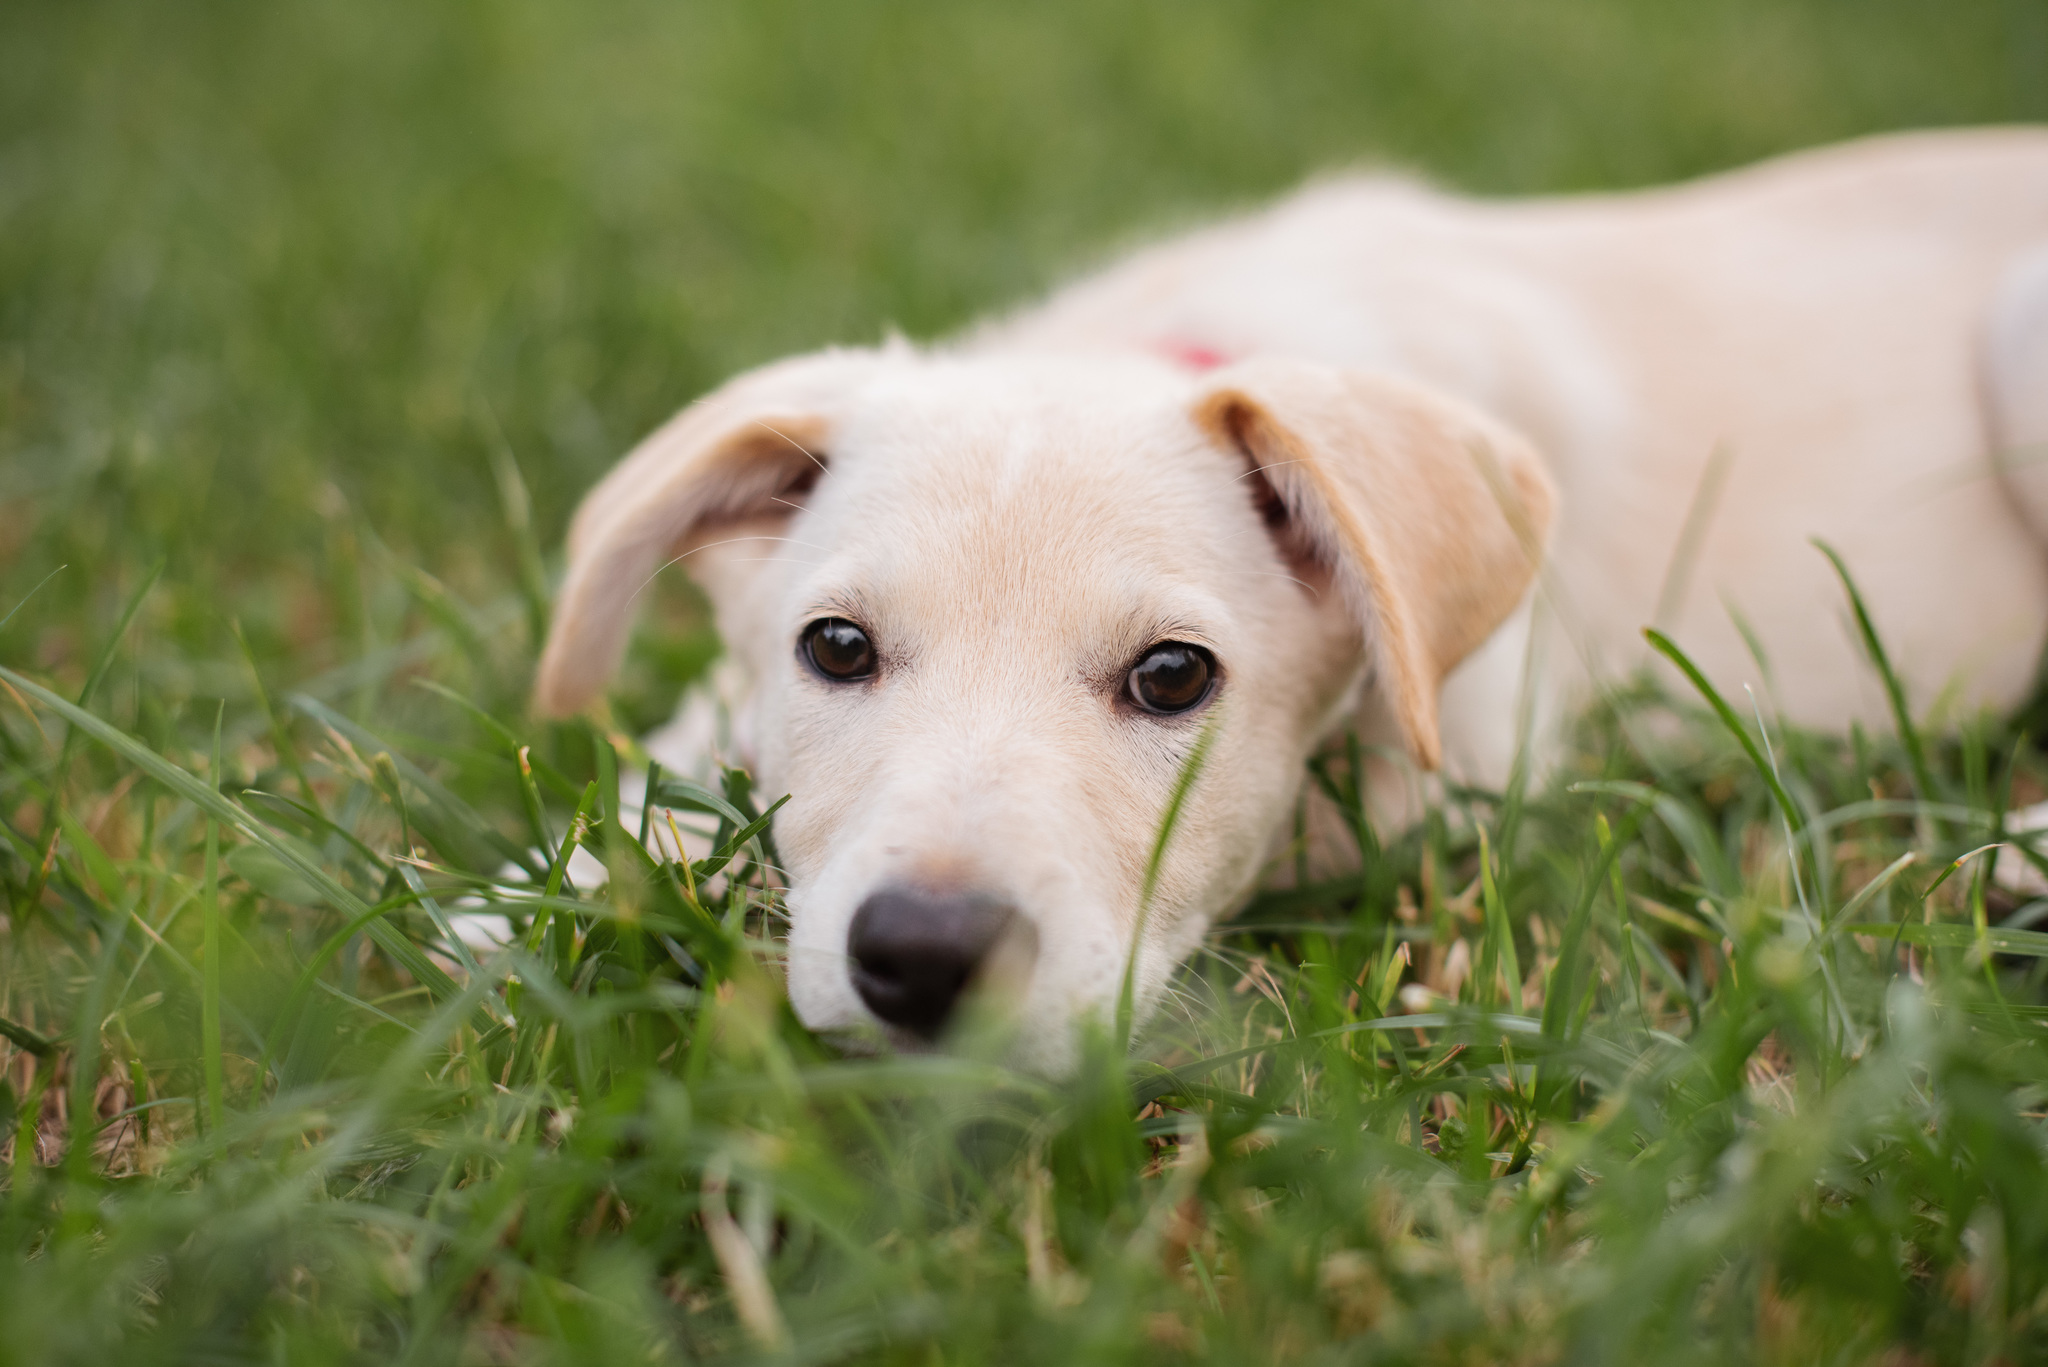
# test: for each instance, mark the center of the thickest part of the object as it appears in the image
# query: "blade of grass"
(715, 863)
(1876, 885)
(1498, 951)
(1928, 891)
(1666, 647)
(24, 599)
(1190, 770)
(1619, 886)
(438, 796)
(213, 804)
(1895, 691)
(281, 811)
(1844, 1022)
(1766, 765)
(23, 1037)
(1560, 997)
(288, 1013)
(1699, 516)
(2031, 944)
(1686, 827)
(556, 931)
(280, 738)
(647, 792)
(82, 1111)
(686, 796)
(209, 993)
(27, 1123)
(47, 843)
(409, 874)
(517, 507)
(442, 607)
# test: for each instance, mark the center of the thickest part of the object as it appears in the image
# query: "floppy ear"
(1429, 516)
(745, 451)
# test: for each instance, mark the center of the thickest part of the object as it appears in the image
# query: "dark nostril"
(914, 952)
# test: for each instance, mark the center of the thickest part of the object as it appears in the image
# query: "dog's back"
(1844, 338)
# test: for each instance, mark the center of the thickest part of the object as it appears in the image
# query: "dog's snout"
(915, 951)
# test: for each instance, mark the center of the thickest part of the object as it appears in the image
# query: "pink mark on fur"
(1192, 355)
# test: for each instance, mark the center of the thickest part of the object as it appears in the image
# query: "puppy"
(1379, 457)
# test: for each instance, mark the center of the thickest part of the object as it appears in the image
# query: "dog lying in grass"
(1378, 458)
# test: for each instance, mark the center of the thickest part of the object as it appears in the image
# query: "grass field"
(314, 321)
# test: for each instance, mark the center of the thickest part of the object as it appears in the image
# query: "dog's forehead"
(976, 446)
(1024, 414)
(1066, 493)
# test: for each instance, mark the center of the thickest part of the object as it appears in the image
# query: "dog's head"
(990, 605)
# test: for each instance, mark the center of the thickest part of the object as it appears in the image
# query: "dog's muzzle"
(915, 952)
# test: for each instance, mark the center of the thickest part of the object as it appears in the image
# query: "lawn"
(315, 319)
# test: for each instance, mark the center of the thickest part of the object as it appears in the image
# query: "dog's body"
(1304, 446)
(1819, 320)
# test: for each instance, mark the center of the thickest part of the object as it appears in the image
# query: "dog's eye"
(838, 649)
(1172, 676)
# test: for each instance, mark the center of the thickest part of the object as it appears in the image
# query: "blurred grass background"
(333, 310)
(271, 274)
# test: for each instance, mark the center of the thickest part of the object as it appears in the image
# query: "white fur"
(1015, 517)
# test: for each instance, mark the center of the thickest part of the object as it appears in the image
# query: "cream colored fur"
(1349, 511)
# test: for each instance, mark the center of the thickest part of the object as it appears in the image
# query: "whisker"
(729, 541)
(793, 442)
(763, 536)
(1314, 592)
(1261, 469)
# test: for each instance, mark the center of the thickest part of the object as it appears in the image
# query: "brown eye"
(838, 649)
(1172, 677)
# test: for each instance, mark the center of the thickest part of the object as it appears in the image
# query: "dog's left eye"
(1172, 676)
(838, 649)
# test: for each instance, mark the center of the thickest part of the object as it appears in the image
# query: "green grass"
(314, 321)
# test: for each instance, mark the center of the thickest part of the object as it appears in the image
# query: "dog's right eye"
(838, 650)
(1171, 677)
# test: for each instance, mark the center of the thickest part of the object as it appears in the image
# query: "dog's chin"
(985, 1034)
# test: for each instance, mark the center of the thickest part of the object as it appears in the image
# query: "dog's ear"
(751, 449)
(1429, 517)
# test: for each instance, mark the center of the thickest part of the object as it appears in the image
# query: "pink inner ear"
(1192, 355)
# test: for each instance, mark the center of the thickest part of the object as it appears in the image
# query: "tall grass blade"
(86, 1053)
(1190, 770)
(1870, 890)
(211, 803)
(1666, 647)
(24, 1038)
(1894, 689)
(1561, 994)
(2031, 944)
(280, 735)
(93, 678)
(1692, 534)
(24, 599)
(465, 817)
(209, 993)
(1498, 953)
(1716, 874)
(516, 507)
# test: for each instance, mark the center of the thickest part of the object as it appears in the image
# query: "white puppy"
(1283, 476)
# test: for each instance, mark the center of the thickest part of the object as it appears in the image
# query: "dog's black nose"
(915, 951)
